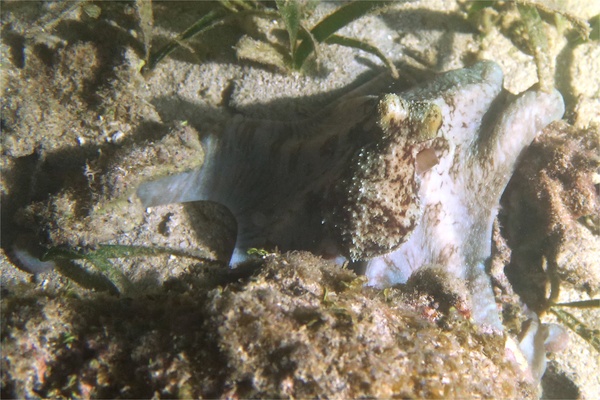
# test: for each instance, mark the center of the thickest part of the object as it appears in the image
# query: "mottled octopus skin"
(398, 181)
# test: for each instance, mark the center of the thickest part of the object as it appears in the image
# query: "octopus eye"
(425, 121)
(432, 121)
(392, 111)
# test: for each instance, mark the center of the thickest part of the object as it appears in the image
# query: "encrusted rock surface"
(300, 327)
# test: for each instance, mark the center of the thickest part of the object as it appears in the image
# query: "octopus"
(395, 182)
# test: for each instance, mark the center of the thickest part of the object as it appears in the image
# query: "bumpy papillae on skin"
(378, 203)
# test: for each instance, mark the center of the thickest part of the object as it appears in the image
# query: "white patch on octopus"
(398, 181)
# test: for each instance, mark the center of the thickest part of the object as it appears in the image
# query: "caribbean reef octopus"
(396, 181)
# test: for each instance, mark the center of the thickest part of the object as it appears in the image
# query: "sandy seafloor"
(81, 128)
